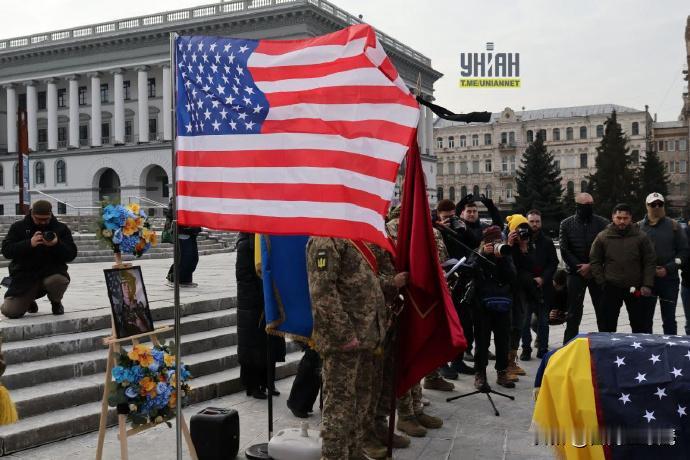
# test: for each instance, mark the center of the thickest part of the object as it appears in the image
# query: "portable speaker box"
(216, 433)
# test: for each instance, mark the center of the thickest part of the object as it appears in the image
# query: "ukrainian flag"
(286, 288)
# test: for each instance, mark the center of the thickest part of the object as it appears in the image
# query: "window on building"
(439, 193)
(62, 134)
(661, 146)
(583, 132)
(128, 131)
(671, 146)
(82, 95)
(21, 101)
(475, 190)
(439, 142)
(635, 157)
(530, 135)
(152, 87)
(153, 126)
(463, 192)
(504, 138)
(504, 164)
(487, 166)
(42, 135)
(571, 187)
(61, 208)
(2, 176)
(600, 130)
(463, 141)
(463, 167)
(569, 134)
(512, 163)
(105, 133)
(42, 100)
(475, 140)
(60, 172)
(683, 145)
(487, 139)
(475, 167)
(635, 128)
(451, 142)
(440, 168)
(558, 164)
(39, 173)
(104, 93)
(511, 138)
(487, 191)
(509, 191)
(83, 133)
(583, 161)
(451, 193)
(556, 134)
(126, 90)
(16, 173)
(683, 166)
(451, 168)
(671, 166)
(542, 133)
(583, 186)
(62, 97)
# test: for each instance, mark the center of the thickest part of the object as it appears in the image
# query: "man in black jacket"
(577, 234)
(39, 248)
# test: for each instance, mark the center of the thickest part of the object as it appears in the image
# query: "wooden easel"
(114, 345)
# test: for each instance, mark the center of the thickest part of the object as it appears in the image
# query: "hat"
(492, 233)
(515, 221)
(652, 197)
(41, 208)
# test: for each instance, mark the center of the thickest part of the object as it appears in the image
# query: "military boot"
(503, 380)
(399, 441)
(429, 421)
(480, 381)
(513, 367)
(438, 383)
(373, 448)
(411, 427)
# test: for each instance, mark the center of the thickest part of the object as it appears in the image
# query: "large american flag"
(290, 137)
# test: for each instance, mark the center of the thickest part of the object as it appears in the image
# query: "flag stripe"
(289, 192)
(382, 169)
(298, 175)
(342, 95)
(394, 113)
(369, 76)
(359, 61)
(372, 147)
(382, 130)
(341, 37)
(337, 228)
(314, 55)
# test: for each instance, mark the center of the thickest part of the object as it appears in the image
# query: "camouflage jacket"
(348, 298)
(392, 227)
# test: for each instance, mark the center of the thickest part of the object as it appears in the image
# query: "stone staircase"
(56, 368)
(90, 249)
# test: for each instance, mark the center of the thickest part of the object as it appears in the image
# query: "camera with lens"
(48, 235)
(455, 223)
(523, 233)
(502, 248)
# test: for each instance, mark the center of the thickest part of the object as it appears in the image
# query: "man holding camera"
(39, 247)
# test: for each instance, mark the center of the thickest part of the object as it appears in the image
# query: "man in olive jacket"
(624, 263)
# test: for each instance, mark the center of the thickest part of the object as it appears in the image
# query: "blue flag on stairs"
(286, 288)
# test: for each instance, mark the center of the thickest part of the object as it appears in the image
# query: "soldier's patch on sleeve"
(321, 260)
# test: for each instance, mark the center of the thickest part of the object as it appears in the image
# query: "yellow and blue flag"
(610, 396)
(286, 288)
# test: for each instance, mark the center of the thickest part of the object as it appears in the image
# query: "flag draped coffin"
(297, 137)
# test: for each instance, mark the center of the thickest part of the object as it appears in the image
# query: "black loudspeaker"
(216, 433)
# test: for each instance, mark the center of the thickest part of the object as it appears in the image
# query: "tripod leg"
(462, 396)
(488, 395)
(512, 398)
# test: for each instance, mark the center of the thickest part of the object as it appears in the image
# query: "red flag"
(429, 331)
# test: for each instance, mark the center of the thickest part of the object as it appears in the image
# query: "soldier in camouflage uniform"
(348, 305)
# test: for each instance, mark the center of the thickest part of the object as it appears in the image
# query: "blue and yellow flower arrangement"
(126, 229)
(143, 384)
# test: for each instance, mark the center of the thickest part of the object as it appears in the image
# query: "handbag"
(167, 234)
(497, 304)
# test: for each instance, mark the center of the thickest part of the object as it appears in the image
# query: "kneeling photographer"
(494, 278)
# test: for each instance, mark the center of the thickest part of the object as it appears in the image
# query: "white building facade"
(483, 158)
(98, 98)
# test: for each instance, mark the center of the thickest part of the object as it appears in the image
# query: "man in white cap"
(671, 247)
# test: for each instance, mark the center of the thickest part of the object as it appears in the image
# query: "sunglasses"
(657, 204)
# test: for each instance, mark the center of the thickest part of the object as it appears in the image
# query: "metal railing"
(148, 201)
(81, 210)
(174, 19)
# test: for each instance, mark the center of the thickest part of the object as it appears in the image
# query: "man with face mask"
(39, 248)
(670, 245)
(577, 233)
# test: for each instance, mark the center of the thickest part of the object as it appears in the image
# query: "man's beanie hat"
(515, 221)
(42, 208)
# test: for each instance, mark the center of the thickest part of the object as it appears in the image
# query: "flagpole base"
(257, 451)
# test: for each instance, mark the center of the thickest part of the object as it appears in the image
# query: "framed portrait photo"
(128, 301)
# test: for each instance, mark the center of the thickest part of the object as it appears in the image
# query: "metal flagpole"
(176, 259)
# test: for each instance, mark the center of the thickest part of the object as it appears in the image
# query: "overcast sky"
(572, 52)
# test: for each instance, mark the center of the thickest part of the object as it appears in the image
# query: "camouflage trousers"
(347, 392)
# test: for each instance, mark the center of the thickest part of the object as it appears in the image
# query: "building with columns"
(98, 98)
(483, 158)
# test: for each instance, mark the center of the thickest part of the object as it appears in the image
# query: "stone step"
(154, 250)
(211, 348)
(77, 322)
(65, 423)
(83, 342)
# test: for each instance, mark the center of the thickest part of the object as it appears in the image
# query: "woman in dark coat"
(251, 323)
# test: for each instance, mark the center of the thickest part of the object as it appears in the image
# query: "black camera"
(48, 235)
(502, 248)
(455, 223)
(523, 233)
